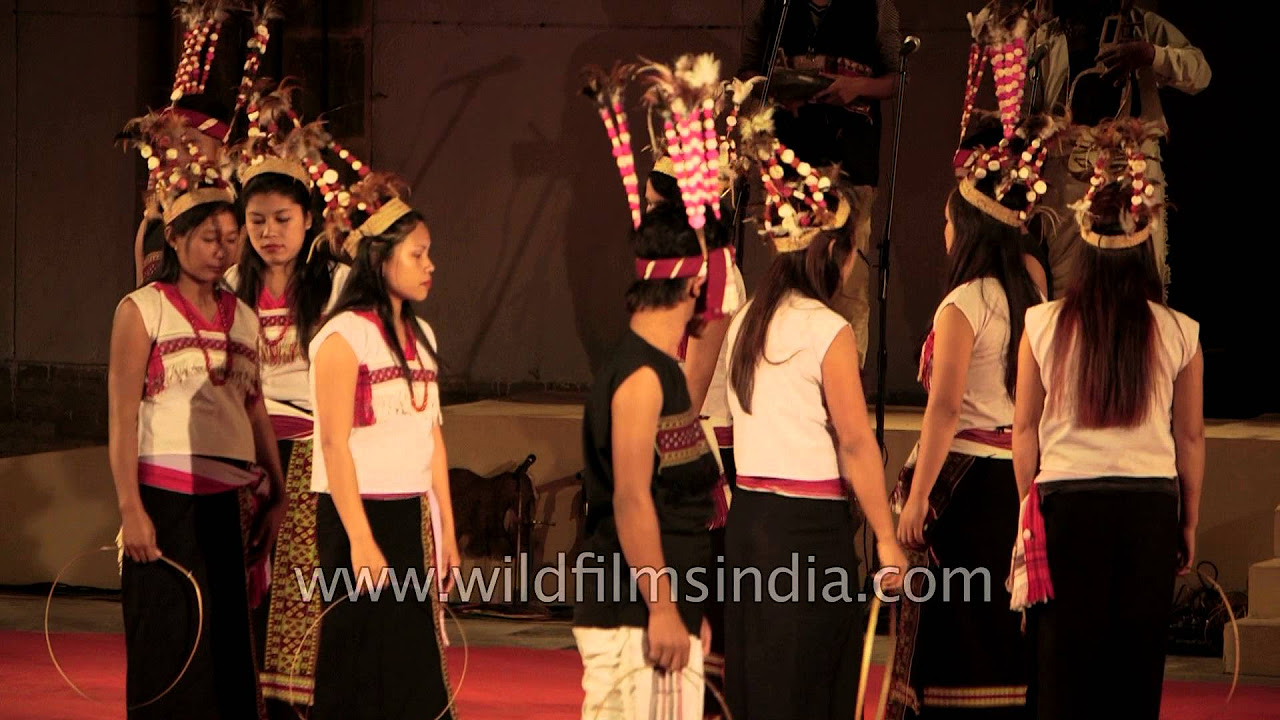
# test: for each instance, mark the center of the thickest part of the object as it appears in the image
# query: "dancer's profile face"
(408, 270)
(651, 196)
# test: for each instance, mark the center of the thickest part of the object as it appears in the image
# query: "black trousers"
(791, 654)
(1100, 642)
(379, 659)
(201, 533)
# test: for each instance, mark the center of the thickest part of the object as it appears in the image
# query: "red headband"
(669, 268)
(717, 266)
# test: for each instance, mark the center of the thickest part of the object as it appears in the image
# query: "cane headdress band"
(378, 223)
(190, 200)
(1117, 242)
(278, 166)
(1137, 217)
(665, 166)
(978, 199)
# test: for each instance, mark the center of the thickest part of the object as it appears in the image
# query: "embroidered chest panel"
(680, 440)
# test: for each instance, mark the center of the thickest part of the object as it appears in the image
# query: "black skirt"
(967, 657)
(785, 659)
(380, 660)
(203, 534)
(1100, 642)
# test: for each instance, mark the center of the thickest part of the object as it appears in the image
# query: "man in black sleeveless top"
(649, 475)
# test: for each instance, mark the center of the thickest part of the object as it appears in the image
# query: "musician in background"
(1103, 59)
(856, 42)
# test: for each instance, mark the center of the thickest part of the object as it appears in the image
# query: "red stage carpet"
(501, 684)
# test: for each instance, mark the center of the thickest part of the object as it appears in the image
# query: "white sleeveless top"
(788, 434)
(185, 410)
(716, 405)
(1069, 452)
(392, 442)
(285, 387)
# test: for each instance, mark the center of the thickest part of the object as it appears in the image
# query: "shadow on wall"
(487, 301)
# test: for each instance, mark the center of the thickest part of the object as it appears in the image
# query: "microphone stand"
(882, 349)
(1035, 67)
(773, 50)
(882, 362)
(741, 196)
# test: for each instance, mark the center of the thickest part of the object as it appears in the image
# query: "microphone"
(1037, 56)
(910, 44)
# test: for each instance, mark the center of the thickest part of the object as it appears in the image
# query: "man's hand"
(667, 639)
(1125, 58)
(844, 90)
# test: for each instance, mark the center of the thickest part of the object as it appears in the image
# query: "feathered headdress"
(686, 96)
(362, 205)
(1000, 33)
(606, 88)
(364, 210)
(991, 174)
(278, 142)
(179, 176)
(204, 20)
(799, 199)
(1122, 165)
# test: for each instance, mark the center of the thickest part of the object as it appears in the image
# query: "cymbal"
(797, 85)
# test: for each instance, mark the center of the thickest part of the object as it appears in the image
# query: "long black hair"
(311, 282)
(812, 272)
(366, 289)
(987, 248)
(170, 269)
(1108, 311)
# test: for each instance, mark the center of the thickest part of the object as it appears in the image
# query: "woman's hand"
(139, 535)
(451, 559)
(911, 522)
(893, 564)
(370, 566)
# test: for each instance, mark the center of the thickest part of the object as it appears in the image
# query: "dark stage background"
(476, 103)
